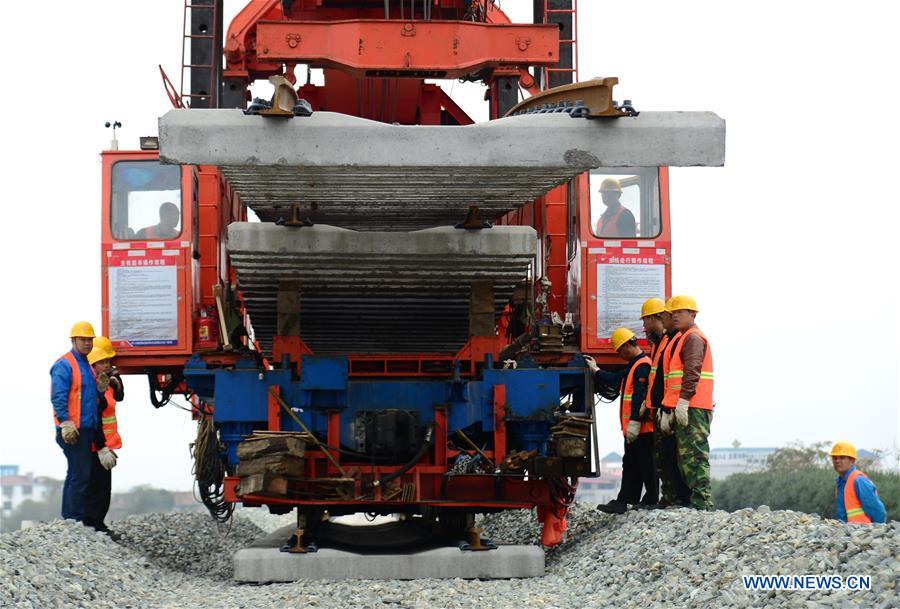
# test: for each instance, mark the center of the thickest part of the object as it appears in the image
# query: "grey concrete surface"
(376, 291)
(262, 562)
(366, 175)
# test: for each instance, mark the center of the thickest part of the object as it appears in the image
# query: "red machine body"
(375, 66)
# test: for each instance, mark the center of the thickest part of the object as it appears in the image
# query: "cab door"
(147, 234)
(625, 250)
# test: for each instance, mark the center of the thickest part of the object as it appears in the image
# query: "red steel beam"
(422, 49)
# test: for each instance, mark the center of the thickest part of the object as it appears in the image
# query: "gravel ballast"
(647, 559)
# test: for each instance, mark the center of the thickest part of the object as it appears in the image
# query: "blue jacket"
(865, 490)
(61, 381)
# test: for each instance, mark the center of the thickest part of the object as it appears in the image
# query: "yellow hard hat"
(610, 185)
(652, 306)
(621, 336)
(98, 355)
(104, 343)
(678, 303)
(102, 350)
(843, 449)
(82, 329)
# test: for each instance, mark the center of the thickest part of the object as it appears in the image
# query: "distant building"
(726, 461)
(605, 488)
(16, 488)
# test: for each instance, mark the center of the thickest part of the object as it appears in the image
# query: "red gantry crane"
(402, 330)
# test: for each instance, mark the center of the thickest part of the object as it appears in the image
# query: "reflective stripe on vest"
(74, 391)
(656, 355)
(703, 396)
(108, 421)
(613, 221)
(628, 393)
(855, 512)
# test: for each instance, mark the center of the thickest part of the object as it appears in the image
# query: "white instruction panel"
(621, 290)
(143, 304)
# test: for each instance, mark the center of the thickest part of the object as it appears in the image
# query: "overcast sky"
(790, 250)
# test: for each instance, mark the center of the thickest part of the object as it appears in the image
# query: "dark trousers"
(99, 491)
(639, 471)
(675, 491)
(78, 473)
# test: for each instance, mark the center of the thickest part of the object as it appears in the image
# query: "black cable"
(167, 391)
(427, 440)
(210, 469)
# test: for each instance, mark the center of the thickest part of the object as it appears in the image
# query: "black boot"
(613, 507)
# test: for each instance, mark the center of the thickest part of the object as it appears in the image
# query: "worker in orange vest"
(112, 390)
(73, 393)
(661, 333)
(638, 470)
(688, 397)
(617, 220)
(169, 216)
(855, 496)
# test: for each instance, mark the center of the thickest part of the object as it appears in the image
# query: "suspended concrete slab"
(263, 562)
(363, 174)
(378, 291)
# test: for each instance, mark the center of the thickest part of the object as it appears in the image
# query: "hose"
(427, 441)
(166, 390)
(209, 470)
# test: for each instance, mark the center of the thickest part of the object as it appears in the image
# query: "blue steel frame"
(240, 397)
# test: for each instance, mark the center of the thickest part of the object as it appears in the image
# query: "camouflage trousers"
(693, 456)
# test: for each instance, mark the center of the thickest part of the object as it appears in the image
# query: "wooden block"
(263, 484)
(282, 465)
(254, 447)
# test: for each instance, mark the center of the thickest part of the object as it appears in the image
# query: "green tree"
(797, 457)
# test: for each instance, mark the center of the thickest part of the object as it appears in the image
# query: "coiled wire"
(210, 469)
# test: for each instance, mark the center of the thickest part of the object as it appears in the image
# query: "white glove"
(681, 412)
(107, 458)
(69, 432)
(592, 364)
(642, 413)
(632, 431)
(102, 382)
(665, 422)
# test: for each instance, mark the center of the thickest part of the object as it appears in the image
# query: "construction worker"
(73, 393)
(638, 470)
(688, 398)
(617, 220)
(662, 336)
(111, 390)
(855, 496)
(169, 216)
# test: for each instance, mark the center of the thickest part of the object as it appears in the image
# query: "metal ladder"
(563, 75)
(200, 42)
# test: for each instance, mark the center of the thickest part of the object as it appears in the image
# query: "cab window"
(625, 203)
(146, 201)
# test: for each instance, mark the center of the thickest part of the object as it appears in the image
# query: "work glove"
(632, 431)
(681, 412)
(665, 422)
(642, 413)
(69, 432)
(102, 382)
(592, 364)
(107, 458)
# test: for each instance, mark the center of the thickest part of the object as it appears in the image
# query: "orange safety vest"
(108, 421)
(656, 352)
(74, 392)
(855, 512)
(613, 221)
(627, 393)
(662, 356)
(703, 397)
